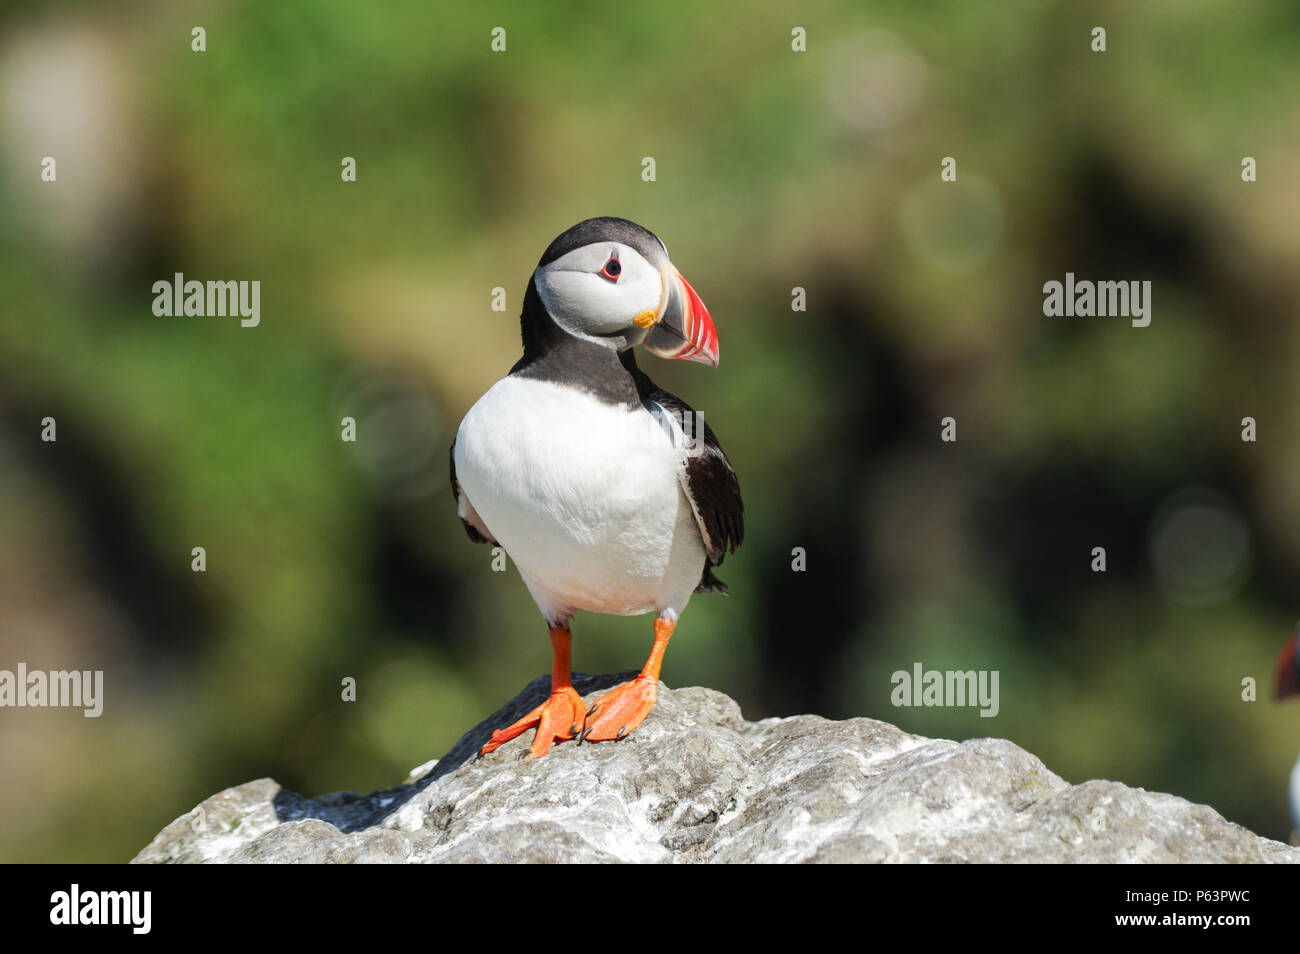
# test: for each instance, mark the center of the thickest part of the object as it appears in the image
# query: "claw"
(582, 737)
(620, 711)
(523, 755)
(593, 707)
(547, 718)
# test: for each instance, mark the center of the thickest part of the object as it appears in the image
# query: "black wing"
(474, 525)
(710, 482)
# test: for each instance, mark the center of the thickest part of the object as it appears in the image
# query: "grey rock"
(697, 783)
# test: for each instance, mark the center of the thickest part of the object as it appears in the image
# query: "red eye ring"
(612, 269)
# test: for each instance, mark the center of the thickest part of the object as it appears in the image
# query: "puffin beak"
(1288, 678)
(683, 327)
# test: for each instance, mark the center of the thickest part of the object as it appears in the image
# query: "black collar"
(552, 354)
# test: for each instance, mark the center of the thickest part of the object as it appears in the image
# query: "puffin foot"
(620, 710)
(560, 717)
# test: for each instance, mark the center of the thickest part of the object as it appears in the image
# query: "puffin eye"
(612, 269)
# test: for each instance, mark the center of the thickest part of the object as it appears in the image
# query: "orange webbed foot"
(561, 717)
(620, 710)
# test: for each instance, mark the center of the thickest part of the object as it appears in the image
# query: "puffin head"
(609, 280)
(1288, 669)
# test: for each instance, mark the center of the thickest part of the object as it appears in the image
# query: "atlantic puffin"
(1288, 684)
(607, 493)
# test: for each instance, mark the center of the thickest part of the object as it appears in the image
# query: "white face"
(599, 290)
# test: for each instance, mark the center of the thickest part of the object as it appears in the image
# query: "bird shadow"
(352, 811)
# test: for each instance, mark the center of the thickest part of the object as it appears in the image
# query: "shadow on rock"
(352, 811)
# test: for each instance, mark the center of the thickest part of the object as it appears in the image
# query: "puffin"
(1288, 684)
(607, 493)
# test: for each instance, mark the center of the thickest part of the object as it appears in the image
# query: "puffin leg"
(560, 717)
(625, 707)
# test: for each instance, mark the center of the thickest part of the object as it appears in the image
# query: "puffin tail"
(711, 584)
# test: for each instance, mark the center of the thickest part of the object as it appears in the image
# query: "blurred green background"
(775, 169)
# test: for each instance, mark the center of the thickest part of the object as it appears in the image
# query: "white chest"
(584, 497)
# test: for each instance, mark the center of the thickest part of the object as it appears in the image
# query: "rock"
(697, 783)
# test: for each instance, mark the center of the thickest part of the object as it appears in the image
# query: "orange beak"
(683, 327)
